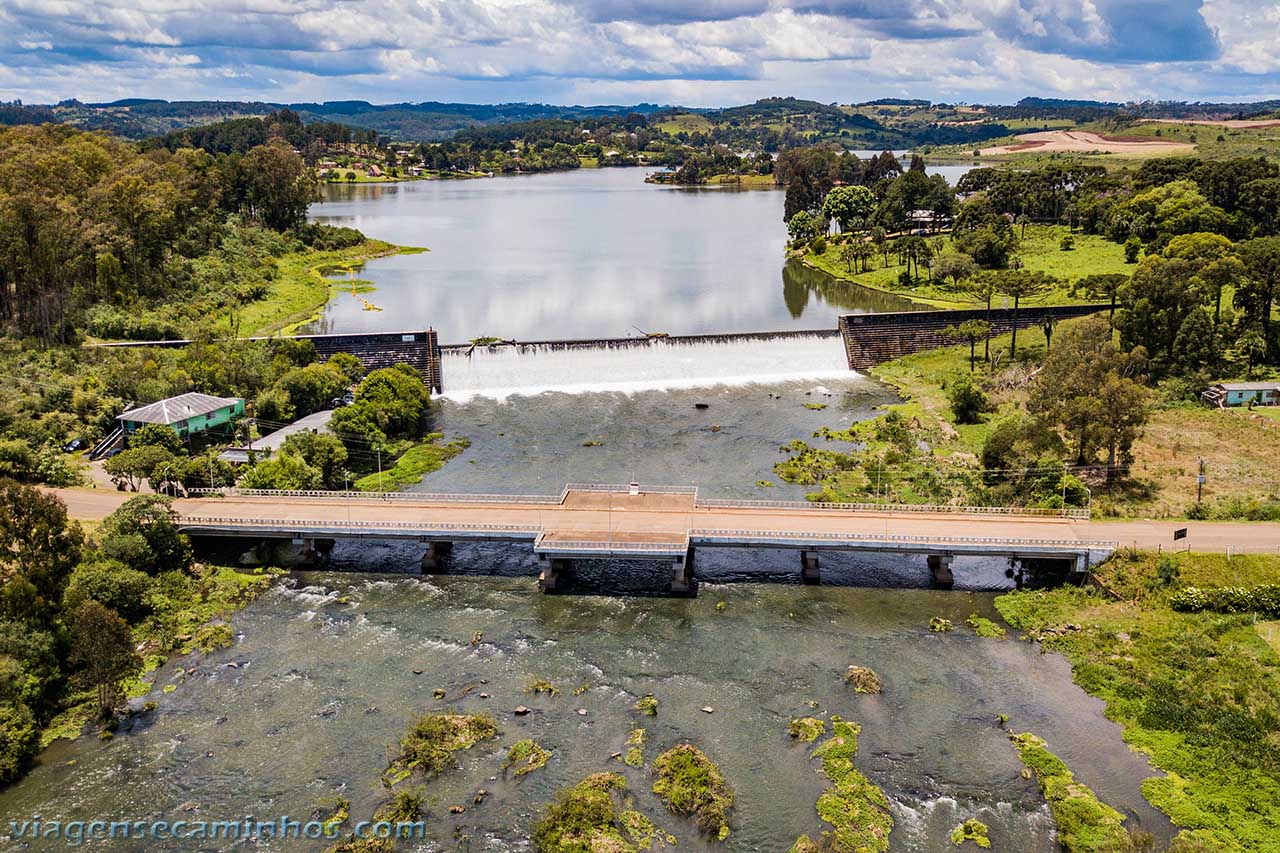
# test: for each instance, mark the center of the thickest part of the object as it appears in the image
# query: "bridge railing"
(624, 488)
(941, 541)
(369, 497)
(540, 544)
(1081, 513)
(287, 525)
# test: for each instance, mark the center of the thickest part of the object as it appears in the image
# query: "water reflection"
(589, 253)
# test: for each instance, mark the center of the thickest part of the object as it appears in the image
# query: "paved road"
(669, 517)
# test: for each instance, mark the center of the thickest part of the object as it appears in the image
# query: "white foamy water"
(659, 365)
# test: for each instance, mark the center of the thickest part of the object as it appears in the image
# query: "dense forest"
(95, 233)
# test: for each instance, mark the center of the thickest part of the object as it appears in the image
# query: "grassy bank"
(1198, 693)
(190, 613)
(1040, 249)
(1237, 446)
(413, 464)
(300, 289)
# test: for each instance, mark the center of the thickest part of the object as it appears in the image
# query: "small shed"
(187, 414)
(1242, 393)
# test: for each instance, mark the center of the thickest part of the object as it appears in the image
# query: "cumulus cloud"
(675, 51)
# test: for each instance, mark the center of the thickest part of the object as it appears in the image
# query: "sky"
(707, 53)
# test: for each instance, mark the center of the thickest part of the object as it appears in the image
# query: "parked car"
(73, 445)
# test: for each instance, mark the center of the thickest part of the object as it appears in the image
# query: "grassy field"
(687, 122)
(1198, 693)
(1239, 450)
(301, 289)
(1238, 447)
(1040, 250)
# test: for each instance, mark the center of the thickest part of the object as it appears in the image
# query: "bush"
(1067, 243)
(143, 535)
(968, 401)
(1263, 599)
(1132, 248)
(17, 460)
(111, 583)
(818, 245)
(19, 741)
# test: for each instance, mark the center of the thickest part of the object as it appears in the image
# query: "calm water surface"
(592, 253)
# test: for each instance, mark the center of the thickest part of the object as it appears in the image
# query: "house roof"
(1249, 386)
(176, 409)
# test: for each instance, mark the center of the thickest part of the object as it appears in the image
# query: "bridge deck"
(658, 524)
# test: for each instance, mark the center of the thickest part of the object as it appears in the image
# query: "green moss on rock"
(857, 810)
(971, 830)
(985, 627)
(589, 818)
(526, 756)
(432, 739)
(807, 729)
(542, 686)
(1085, 823)
(939, 625)
(647, 705)
(691, 785)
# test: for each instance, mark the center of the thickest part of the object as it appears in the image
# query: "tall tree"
(1021, 285)
(849, 206)
(102, 650)
(39, 547)
(279, 186)
(1257, 293)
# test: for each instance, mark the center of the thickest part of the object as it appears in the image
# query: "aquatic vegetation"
(542, 686)
(592, 442)
(647, 705)
(1085, 823)
(332, 811)
(807, 729)
(1199, 693)
(984, 627)
(580, 689)
(938, 625)
(432, 739)
(216, 635)
(817, 407)
(405, 806)
(863, 679)
(526, 756)
(971, 830)
(722, 606)
(765, 484)
(690, 784)
(857, 809)
(634, 756)
(590, 817)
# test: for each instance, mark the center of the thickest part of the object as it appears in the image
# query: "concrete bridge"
(641, 522)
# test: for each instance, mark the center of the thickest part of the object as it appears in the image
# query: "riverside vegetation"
(86, 621)
(1191, 677)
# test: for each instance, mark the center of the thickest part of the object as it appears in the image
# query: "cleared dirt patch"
(1084, 142)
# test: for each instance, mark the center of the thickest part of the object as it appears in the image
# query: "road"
(618, 517)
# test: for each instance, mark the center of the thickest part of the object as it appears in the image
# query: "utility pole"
(1200, 480)
(379, 449)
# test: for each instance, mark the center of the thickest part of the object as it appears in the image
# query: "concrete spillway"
(628, 365)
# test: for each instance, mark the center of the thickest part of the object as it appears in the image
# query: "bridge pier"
(809, 567)
(552, 569)
(683, 581)
(433, 560)
(940, 568)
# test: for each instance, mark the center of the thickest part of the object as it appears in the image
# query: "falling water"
(638, 364)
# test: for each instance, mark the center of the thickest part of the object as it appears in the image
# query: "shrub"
(1067, 243)
(968, 401)
(1263, 599)
(111, 583)
(19, 740)
(818, 245)
(1132, 248)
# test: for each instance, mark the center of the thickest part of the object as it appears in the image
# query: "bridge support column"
(433, 560)
(682, 577)
(552, 569)
(809, 567)
(940, 568)
(310, 552)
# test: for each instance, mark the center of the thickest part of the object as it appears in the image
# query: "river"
(327, 668)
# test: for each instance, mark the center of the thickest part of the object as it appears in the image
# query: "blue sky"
(708, 53)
